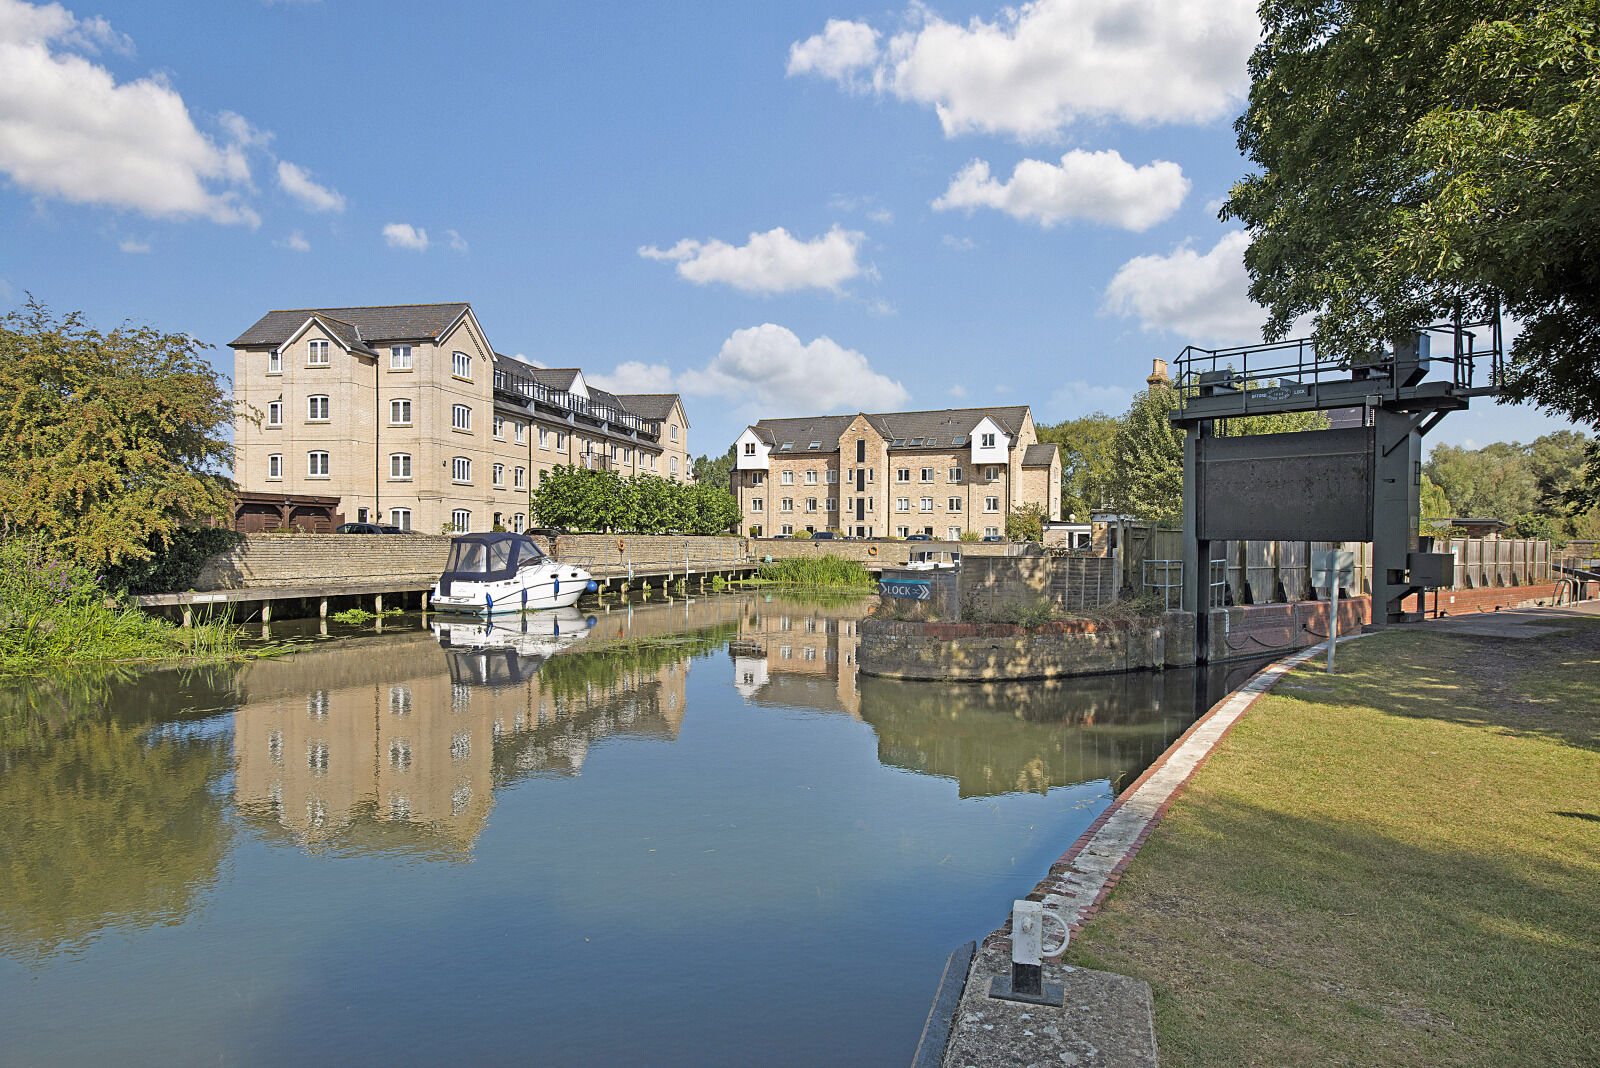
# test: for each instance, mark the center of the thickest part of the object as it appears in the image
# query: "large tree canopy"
(1422, 158)
(110, 444)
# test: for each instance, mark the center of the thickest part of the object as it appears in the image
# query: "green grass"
(1395, 865)
(825, 570)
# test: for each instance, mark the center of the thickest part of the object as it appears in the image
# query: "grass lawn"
(1397, 865)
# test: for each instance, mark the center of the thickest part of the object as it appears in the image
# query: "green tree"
(1415, 160)
(714, 472)
(110, 444)
(1494, 482)
(1087, 447)
(1026, 522)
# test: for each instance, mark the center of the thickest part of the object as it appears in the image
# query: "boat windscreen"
(468, 557)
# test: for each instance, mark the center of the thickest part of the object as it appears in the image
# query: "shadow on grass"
(1546, 687)
(1279, 938)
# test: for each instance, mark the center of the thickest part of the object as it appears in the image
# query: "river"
(686, 833)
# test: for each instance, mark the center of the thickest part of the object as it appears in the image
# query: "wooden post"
(188, 615)
(322, 608)
(425, 600)
(377, 604)
(266, 611)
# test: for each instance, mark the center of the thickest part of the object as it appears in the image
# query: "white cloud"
(958, 391)
(296, 181)
(457, 242)
(960, 244)
(842, 51)
(1046, 64)
(1101, 187)
(70, 131)
(404, 235)
(773, 262)
(768, 371)
(295, 242)
(1201, 297)
(129, 244)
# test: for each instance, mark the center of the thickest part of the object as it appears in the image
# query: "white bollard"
(1026, 981)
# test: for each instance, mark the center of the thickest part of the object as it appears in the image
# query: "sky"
(774, 209)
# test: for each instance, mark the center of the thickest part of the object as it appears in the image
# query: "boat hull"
(546, 589)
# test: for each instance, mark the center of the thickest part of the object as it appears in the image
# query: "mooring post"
(188, 615)
(266, 611)
(377, 603)
(1026, 981)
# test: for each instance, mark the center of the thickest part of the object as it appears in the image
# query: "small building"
(262, 513)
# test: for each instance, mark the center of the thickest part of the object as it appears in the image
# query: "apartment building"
(941, 473)
(410, 417)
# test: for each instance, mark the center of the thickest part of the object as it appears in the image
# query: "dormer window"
(749, 448)
(988, 441)
(274, 362)
(317, 353)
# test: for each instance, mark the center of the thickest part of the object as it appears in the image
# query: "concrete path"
(1513, 622)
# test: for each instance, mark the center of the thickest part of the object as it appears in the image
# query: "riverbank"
(1393, 865)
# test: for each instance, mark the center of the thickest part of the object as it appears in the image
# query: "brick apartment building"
(942, 473)
(408, 415)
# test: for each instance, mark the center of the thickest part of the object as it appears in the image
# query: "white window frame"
(497, 476)
(927, 474)
(544, 437)
(316, 470)
(397, 407)
(902, 504)
(991, 532)
(519, 478)
(811, 478)
(461, 417)
(317, 354)
(499, 427)
(461, 470)
(313, 408)
(275, 413)
(519, 432)
(833, 504)
(461, 366)
(954, 475)
(953, 504)
(674, 465)
(902, 532)
(461, 519)
(400, 467)
(516, 528)
(674, 428)
(275, 467)
(902, 474)
(561, 440)
(757, 504)
(811, 504)
(400, 357)
(787, 478)
(787, 528)
(925, 504)
(988, 442)
(991, 504)
(275, 362)
(786, 504)
(400, 517)
(952, 533)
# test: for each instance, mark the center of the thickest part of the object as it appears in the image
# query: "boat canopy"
(489, 557)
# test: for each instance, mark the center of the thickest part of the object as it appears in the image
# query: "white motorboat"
(933, 560)
(495, 574)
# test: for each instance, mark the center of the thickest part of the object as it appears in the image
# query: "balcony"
(524, 390)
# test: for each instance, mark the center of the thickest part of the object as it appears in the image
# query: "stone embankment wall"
(988, 652)
(329, 560)
(889, 553)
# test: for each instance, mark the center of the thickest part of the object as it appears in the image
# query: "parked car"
(366, 528)
(918, 537)
(823, 535)
(993, 537)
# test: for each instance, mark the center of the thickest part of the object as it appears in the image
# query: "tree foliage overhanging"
(576, 498)
(1423, 158)
(111, 445)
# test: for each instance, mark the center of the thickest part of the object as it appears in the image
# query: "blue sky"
(774, 209)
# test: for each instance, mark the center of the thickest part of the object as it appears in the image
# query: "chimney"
(1158, 374)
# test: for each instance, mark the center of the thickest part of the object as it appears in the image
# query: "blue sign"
(907, 589)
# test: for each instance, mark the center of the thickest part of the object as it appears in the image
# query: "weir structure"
(1360, 481)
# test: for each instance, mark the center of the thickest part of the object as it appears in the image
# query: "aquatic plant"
(828, 570)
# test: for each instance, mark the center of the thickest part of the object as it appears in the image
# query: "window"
(861, 450)
(988, 441)
(901, 532)
(833, 476)
(561, 440)
(399, 413)
(872, 474)
(461, 365)
(991, 504)
(275, 465)
(519, 433)
(461, 519)
(673, 427)
(400, 517)
(811, 504)
(955, 474)
(317, 409)
(497, 475)
(902, 504)
(519, 478)
(461, 469)
(499, 428)
(786, 505)
(317, 353)
(757, 477)
(833, 504)
(811, 478)
(460, 417)
(814, 446)
(755, 504)
(788, 528)
(274, 362)
(400, 358)
(361, 516)
(516, 526)
(544, 437)
(673, 464)
(275, 413)
(902, 474)
(749, 448)
(399, 465)
(317, 464)
(926, 504)
(991, 532)
(990, 474)
(961, 440)
(954, 504)
(927, 474)
(953, 533)
(787, 478)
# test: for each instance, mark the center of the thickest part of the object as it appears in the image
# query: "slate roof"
(556, 378)
(656, 406)
(1039, 455)
(937, 429)
(372, 325)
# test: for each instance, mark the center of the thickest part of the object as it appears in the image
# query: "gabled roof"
(559, 379)
(1039, 455)
(370, 325)
(656, 406)
(347, 334)
(936, 429)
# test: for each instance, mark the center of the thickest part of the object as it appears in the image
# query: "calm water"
(686, 835)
